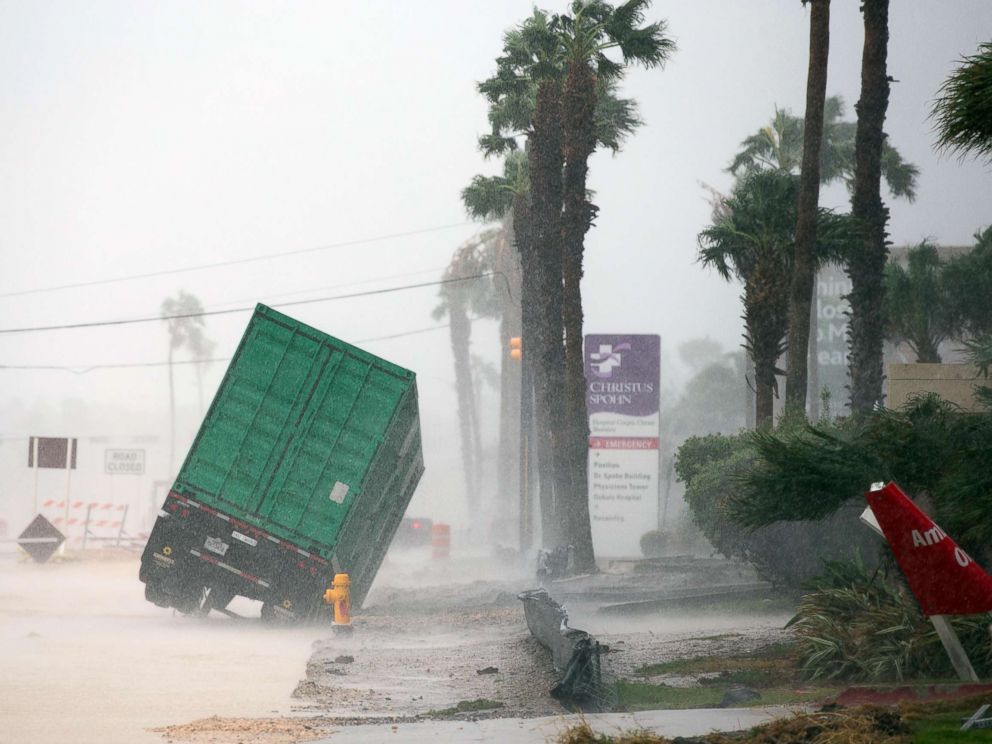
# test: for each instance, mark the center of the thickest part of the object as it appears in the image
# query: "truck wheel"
(156, 596)
(279, 614)
(219, 599)
(189, 603)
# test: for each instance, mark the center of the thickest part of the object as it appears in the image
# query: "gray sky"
(147, 136)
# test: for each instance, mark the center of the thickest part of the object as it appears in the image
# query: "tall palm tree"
(524, 98)
(866, 262)
(779, 146)
(593, 29)
(505, 198)
(963, 109)
(752, 240)
(183, 316)
(458, 299)
(804, 268)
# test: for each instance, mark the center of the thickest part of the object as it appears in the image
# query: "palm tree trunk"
(813, 358)
(867, 261)
(523, 240)
(804, 266)
(927, 352)
(579, 138)
(172, 416)
(764, 393)
(765, 323)
(459, 332)
(509, 389)
(545, 167)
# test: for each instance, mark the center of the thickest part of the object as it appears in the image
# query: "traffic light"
(516, 348)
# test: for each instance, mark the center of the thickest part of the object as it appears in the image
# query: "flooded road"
(86, 659)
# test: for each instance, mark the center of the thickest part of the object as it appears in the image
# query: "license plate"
(216, 545)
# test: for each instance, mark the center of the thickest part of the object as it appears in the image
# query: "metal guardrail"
(574, 653)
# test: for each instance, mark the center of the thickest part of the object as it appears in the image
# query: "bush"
(860, 625)
(929, 447)
(786, 553)
(653, 543)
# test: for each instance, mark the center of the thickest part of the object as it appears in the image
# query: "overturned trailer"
(302, 468)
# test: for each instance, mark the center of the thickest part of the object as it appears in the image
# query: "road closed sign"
(124, 462)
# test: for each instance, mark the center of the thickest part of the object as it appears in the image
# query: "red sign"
(633, 443)
(945, 579)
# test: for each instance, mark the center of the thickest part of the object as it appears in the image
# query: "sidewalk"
(544, 730)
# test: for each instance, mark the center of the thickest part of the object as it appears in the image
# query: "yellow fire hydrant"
(339, 595)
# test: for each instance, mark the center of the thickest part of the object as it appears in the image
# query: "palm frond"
(963, 109)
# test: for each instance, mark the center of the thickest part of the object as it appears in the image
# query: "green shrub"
(786, 553)
(653, 543)
(928, 447)
(855, 624)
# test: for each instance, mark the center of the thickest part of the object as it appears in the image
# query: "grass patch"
(765, 667)
(642, 696)
(909, 723)
(772, 671)
(945, 728)
(632, 696)
(466, 706)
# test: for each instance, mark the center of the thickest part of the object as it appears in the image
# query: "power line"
(297, 292)
(82, 370)
(232, 262)
(156, 318)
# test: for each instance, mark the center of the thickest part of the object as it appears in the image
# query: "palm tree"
(183, 315)
(594, 28)
(458, 298)
(963, 109)
(918, 308)
(866, 262)
(754, 242)
(968, 277)
(505, 198)
(525, 98)
(779, 146)
(804, 268)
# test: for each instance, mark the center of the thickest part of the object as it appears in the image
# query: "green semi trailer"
(302, 468)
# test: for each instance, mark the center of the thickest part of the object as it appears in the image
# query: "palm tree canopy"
(183, 315)
(489, 198)
(474, 257)
(963, 109)
(779, 146)
(969, 280)
(594, 27)
(917, 305)
(760, 222)
(536, 50)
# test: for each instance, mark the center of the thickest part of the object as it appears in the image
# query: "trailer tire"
(156, 596)
(274, 615)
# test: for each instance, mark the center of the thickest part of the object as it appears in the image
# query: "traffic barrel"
(440, 541)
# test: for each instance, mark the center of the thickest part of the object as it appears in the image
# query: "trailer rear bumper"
(197, 558)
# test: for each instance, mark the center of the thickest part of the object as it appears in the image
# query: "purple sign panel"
(623, 373)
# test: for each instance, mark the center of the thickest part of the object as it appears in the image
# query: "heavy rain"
(578, 371)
